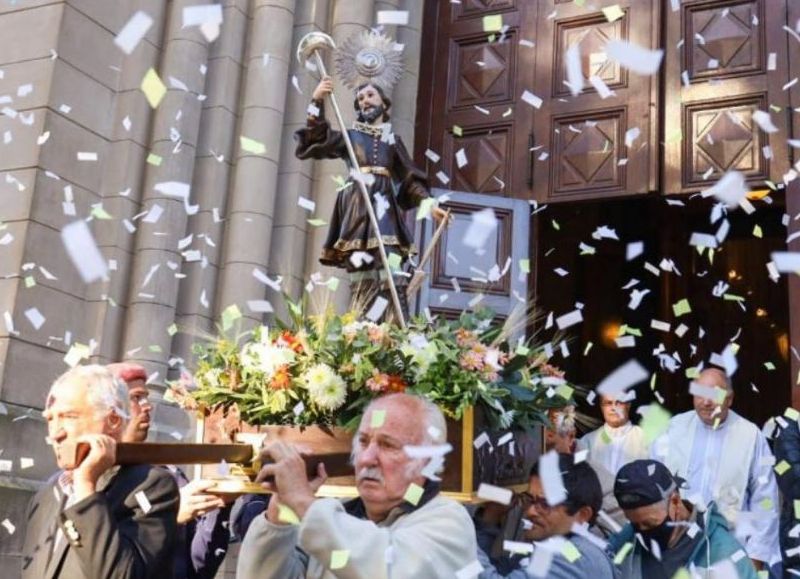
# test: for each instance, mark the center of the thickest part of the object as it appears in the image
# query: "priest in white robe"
(726, 459)
(611, 447)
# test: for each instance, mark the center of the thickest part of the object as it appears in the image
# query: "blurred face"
(140, 409)
(69, 416)
(370, 104)
(708, 410)
(656, 522)
(383, 469)
(615, 412)
(547, 521)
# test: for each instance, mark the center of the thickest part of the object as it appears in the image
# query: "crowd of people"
(708, 498)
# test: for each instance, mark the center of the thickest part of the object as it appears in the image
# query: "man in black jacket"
(97, 520)
(787, 467)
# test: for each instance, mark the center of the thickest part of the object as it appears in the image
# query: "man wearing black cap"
(672, 533)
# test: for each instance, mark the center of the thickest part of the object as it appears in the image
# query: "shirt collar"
(619, 431)
(430, 490)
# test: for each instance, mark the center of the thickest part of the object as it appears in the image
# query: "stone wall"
(67, 88)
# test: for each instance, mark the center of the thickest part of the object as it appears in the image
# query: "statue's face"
(370, 104)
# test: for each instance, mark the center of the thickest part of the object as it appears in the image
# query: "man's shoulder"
(442, 509)
(144, 477)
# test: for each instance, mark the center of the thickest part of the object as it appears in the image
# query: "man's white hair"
(104, 392)
(434, 428)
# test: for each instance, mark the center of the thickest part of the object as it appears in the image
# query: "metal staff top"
(310, 45)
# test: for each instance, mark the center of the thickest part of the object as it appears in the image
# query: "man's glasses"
(526, 500)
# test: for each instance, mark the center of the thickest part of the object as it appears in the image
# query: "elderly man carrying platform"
(388, 531)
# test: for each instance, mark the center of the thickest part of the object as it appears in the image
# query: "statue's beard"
(371, 114)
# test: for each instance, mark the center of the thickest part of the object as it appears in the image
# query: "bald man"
(726, 459)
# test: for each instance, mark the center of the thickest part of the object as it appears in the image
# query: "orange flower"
(282, 379)
(291, 341)
(396, 384)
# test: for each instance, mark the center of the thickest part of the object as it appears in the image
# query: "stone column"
(295, 177)
(248, 227)
(153, 289)
(348, 17)
(212, 177)
(404, 96)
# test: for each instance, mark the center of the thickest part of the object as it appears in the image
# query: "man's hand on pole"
(323, 89)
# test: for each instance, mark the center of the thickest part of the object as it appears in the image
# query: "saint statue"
(394, 184)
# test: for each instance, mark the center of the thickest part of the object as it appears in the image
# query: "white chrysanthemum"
(266, 357)
(325, 387)
(422, 353)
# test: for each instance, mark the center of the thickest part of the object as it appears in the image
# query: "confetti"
(572, 59)
(495, 494)
(764, 121)
(634, 58)
(9, 526)
(461, 158)
(532, 99)
(209, 14)
(681, 308)
(377, 418)
(613, 13)
(229, 316)
(413, 494)
(730, 189)
(132, 33)
(83, 251)
(153, 89)
(470, 571)
(259, 306)
(287, 515)
(482, 225)
(252, 146)
(569, 319)
(550, 476)
(655, 421)
(393, 17)
(620, 380)
(143, 501)
(786, 261)
(35, 317)
(339, 557)
(493, 23)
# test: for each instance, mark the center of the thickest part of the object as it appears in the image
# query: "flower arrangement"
(325, 369)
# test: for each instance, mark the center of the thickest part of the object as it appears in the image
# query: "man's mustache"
(371, 472)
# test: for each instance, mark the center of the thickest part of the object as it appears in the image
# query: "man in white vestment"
(611, 447)
(725, 458)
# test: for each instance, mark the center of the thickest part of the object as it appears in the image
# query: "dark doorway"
(753, 308)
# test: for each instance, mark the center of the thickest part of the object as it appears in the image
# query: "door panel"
(579, 143)
(714, 82)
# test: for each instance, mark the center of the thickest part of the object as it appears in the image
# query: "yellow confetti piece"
(555, 225)
(570, 551)
(153, 159)
(796, 509)
(692, 372)
(377, 418)
(153, 89)
(316, 222)
(674, 136)
(457, 131)
(587, 348)
(580, 3)
(395, 261)
(769, 366)
(622, 553)
(763, 575)
(782, 467)
(425, 208)
(525, 265)
(681, 308)
(522, 350)
(757, 232)
(252, 146)
(339, 559)
(413, 494)
(613, 13)
(333, 284)
(792, 414)
(77, 353)
(99, 213)
(605, 437)
(172, 330)
(767, 504)
(655, 422)
(565, 391)
(732, 298)
(682, 573)
(287, 515)
(493, 23)
(154, 348)
(229, 316)
(30, 281)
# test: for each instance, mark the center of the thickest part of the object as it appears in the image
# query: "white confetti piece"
(730, 189)
(25, 462)
(378, 307)
(83, 251)
(442, 176)
(572, 59)
(550, 475)
(620, 380)
(570, 319)
(772, 61)
(154, 214)
(631, 135)
(482, 225)
(35, 317)
(461, 158)
(87, 156)
(393, 17)
(495, 494)
(132, 33)
(296, 84)
(432, 156)
(660, 326)
(518, 547)
(144, 502)
(764, 121)
(532, 99)
(263, 278)
(259, 306)
(601, 87)
(634, 58)
(9, 526)
(633, 250)
(202, 14)
(786, 261)
(480, 440)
